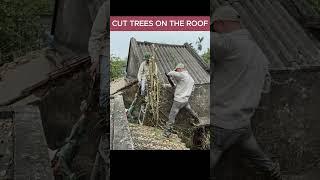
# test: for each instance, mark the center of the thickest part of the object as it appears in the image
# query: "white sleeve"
(140, 71)
(176, 75)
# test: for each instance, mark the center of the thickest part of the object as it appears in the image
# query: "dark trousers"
(245, 140)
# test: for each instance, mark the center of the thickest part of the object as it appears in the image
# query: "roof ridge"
(165, 44)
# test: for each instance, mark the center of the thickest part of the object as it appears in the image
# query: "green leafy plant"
(20, 26)
(206, 56)
(117, 67)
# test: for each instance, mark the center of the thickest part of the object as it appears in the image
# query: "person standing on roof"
(99, 47)
(144, 71)
(240, 75)
(184, 88)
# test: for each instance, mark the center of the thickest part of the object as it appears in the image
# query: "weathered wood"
(53, 76)
(125, 87)
(68, 68)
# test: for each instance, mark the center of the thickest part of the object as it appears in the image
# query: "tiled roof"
(280, 36)
(167, 56)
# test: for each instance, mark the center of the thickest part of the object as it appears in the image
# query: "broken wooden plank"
(125, 87)
(53, 76)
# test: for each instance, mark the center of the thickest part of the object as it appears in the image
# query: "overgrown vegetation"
(117, 67)
(20, 27)
(206, 56)
(315, 4)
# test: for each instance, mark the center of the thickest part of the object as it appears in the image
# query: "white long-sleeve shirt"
(184, 86)
(240, 76)
(144, 70)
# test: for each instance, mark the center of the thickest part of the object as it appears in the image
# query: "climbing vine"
(20, 26)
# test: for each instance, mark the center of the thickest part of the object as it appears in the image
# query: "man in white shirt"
(240, 75)
(184, 88)
(144, 72)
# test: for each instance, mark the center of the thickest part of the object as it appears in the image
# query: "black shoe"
(166, 134)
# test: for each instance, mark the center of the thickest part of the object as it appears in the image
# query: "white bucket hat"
(180, 65)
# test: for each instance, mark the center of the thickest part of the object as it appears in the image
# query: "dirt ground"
(150, 138)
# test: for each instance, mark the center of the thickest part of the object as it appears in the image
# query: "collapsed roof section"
(167, 57)
(281, 37)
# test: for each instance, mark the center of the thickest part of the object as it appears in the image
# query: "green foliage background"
(20, 26)
(117, 67)
(206, 56)
(315, 4)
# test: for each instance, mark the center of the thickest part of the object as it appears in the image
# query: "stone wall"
(199, 102)
(199, 99)
(23, 148)
(60, 110)
(120, 135)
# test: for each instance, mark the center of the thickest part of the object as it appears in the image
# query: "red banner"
(160, 23)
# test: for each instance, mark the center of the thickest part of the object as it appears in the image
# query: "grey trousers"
(176, 106)
(243, 138)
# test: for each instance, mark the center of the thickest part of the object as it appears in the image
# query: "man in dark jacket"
(240, 75)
